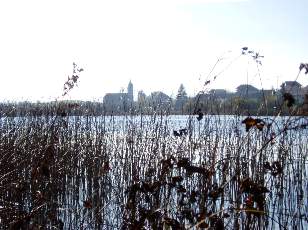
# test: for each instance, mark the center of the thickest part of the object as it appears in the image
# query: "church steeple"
(130, 91)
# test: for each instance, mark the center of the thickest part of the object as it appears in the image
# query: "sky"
(156, 44)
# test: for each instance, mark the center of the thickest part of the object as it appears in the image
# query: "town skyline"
(134, 93)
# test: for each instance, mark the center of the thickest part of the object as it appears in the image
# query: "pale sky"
(156, 44)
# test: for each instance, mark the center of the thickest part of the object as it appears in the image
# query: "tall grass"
(132, 173)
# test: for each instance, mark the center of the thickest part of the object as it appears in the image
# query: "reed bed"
(152, 172)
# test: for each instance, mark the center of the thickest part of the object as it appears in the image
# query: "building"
(289, 86)
(247, 91)
(304, 108)
(294, 88)
(120, 102)
(305, 90)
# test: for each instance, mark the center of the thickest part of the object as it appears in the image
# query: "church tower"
(130, 91)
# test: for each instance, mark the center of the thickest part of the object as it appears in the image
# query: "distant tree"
(181, 92)
(141, 96)
(142, 100)
(181, 99)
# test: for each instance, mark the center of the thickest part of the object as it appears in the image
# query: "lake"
(130, 172)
